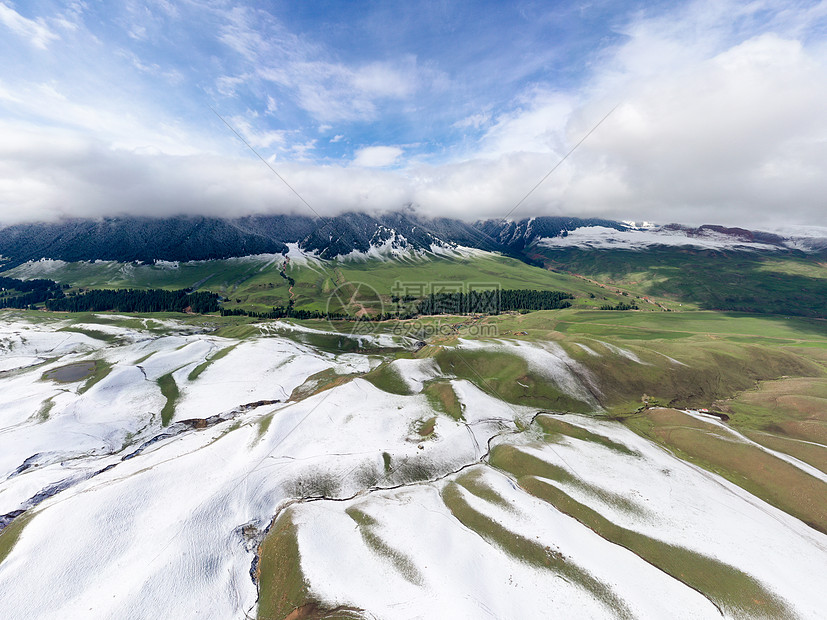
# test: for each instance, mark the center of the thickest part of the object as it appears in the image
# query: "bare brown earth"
(316, 611)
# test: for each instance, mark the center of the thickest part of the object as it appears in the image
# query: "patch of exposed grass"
(441, 396)
(766, 476)
(282, 586)
(169, 390)
(45, 409)
(473, 480)
(425, 428)
(508, 378)
(205, 364)
(388, 380)
(11, 534)
(92, 333)
(519, 463)
(553, 425)
(369, 530)
(144, 358)
(527, 550)
(102, 369)
(238, 330)
(264, 424)
(319, 382)
(728, 587)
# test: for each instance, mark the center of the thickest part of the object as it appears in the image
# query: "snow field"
(159, 534)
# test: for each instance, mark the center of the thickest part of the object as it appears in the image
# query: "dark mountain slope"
(201, 238)
(520, 234)
(133, 239)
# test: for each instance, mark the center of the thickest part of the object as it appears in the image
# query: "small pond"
(76, 371)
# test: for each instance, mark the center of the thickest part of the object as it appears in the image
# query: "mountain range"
(187, 238)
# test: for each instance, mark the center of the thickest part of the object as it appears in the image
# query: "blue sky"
(457, 108)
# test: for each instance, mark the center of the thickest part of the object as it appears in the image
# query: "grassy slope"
(727, 586)
(719, 356)
(753, 281)
(257, 284)
(169, 389)
(789, 414)
(11, 534)
(282, 586)
(760, 473)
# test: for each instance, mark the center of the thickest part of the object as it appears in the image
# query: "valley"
(431, 443)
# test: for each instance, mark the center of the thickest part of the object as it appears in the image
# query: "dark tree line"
(129, 300)
(475, 302)
(620, 306)
(493, 301)
(281, 312)
(26, 293)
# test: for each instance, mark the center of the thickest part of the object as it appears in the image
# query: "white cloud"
(257, 138)
(536, 126)
(719, 120)
(328, 89)
(736, 136)
(336, 92)
(35, 31)
(48, 175)
(473, 121)
(377, 156)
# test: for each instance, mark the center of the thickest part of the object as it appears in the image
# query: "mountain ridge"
(188, 238)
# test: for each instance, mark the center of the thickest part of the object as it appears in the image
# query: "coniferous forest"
(26, 293)
(493, 301)
(128, 300)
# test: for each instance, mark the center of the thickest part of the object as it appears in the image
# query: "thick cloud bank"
(718, 117)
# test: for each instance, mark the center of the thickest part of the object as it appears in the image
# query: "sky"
(692, 112)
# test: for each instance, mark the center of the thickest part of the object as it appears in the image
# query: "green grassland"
(766, 282)
(256, 283)
(658, 279)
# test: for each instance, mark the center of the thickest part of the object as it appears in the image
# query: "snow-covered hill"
(391, 508)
